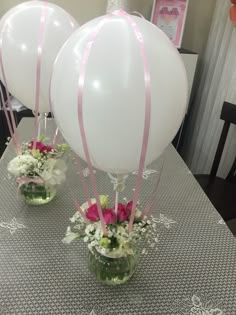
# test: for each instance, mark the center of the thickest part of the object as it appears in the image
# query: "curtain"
(217, 84)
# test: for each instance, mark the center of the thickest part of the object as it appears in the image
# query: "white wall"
(81, 10)
(197, 23)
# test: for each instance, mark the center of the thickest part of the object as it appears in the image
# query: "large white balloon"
(114, 93)
(20, 29)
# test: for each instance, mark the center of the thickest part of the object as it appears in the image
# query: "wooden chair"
(222, 192)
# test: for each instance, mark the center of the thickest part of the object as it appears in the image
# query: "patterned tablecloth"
(191, 271)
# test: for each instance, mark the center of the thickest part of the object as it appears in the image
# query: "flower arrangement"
(118, 241)
(119, 246)
(38, 169)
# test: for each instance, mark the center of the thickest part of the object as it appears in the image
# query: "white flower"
(109, 233)
(70, 236)
(85, 205)
(90, 228)
(21, 164)
(137, 213)
(98, 234)
(86, 239)
(103, 201)
(54, 172)
(94, 243)
(75, 217)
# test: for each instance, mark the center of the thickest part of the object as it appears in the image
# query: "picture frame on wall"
(170, 17)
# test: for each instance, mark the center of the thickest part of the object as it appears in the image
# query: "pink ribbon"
(147, 83)
(13, 129)
(79, 209)
(27, 180)
(38, 72)
(147, 113)
(7, 117)
(137, 13)
(152, 209)
(83, 181)
(80, 117)
(55, 138)
(50, 83)
(153, 193)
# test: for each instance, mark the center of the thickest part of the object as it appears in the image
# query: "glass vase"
(36, 195)
(112, 270)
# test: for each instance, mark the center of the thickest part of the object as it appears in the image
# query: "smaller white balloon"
(114, 93)
(20, 28)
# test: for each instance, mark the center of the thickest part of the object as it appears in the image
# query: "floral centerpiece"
(112, 257)
(38, 170)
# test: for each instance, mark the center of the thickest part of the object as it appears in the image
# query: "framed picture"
(170, 16)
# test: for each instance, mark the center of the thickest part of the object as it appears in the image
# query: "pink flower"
(92, 213)
(129, 205)
(47, 148)
(40, 146)
(124, 211)
(109, 216)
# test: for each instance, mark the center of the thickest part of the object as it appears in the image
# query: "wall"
(197, 23)
(198, 20)
(82, 10)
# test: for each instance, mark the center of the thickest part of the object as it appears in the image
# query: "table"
(192, 270)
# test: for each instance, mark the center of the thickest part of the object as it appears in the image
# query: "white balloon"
(20, 29)
(114, 93)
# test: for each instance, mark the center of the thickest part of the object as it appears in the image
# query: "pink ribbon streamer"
(27, 180)
(147, 83)
(137, 13)
(152, 209)
(147, 114)
(153, 193)
(7, 118)
(54, 141)
(79, 209)
(50, 83)
(80, 117)
(13, 129)
(38, 72)
(84, 184)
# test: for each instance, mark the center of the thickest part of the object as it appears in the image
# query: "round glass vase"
(37, 194)
(112, 270)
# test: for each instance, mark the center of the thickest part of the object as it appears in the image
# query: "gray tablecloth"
(191, 271)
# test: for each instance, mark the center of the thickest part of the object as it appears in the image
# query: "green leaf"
(42, 138)
(70, 236)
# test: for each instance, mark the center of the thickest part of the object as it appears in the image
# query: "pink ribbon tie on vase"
(28, 180)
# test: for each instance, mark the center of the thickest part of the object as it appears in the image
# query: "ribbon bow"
(27, 180)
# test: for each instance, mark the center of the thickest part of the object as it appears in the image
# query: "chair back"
(228, 114)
